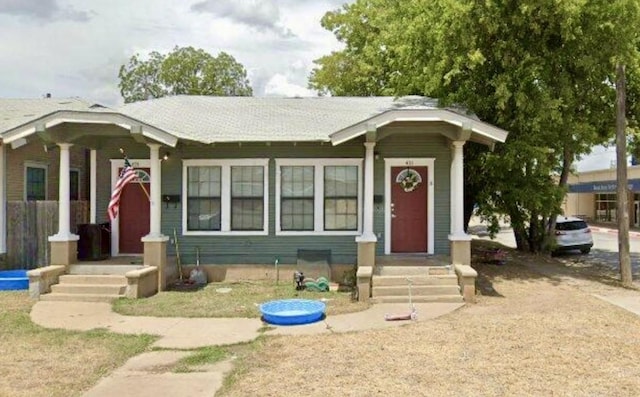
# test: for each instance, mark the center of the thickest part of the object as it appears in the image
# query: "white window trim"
(318, 199)
(115, 224)
(79, 181)
(411, 162)
(45, 167)
(225, 196)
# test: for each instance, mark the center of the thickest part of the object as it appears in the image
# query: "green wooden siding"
(266, 249)
(417, 145)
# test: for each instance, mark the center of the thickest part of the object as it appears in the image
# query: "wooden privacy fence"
(30, 223)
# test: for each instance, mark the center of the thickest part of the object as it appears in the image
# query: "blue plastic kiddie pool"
(13, 280)
(292, 311)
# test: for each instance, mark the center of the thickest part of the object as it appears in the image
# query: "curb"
(611, 231)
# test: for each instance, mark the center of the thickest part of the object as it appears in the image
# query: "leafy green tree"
(541, 69)
(185, 70)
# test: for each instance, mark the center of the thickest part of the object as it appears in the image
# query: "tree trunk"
(621, 175)
(567, 160)
(519, 230)
(533, 233)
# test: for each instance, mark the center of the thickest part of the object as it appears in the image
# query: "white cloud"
(67, 58)
(262, 15)
(600, 158)
(279, 85)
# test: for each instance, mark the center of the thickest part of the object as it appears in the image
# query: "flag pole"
(144, 189)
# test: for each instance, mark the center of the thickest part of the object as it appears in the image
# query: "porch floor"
(115, 260)
(413, 260)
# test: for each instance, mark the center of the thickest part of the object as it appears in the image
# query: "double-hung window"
(341, 197)
(318, 196)
(296, 197)
(225, 196)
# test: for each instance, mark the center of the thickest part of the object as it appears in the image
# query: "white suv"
(572, 234)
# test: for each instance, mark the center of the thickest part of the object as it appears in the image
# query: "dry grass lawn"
(35, 361)
(241, 300)
(528, 335)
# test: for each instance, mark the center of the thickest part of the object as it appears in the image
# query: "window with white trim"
(296, 197)
(318, 196)
(225, 196)
(35, 182)
(341, 197)
(203, 198)
(247, 198)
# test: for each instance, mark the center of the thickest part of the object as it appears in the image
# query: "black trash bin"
(92, 242)
(105, 233)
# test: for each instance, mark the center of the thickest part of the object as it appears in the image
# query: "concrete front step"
(419, 299)
(54, 296)
(417, 290)
(87, 288)
(98, 289)
(443, 279)
(407, 271)
(109, 279)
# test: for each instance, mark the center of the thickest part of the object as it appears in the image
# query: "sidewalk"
(149, 374)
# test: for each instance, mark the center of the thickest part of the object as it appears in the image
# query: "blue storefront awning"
(603, 186)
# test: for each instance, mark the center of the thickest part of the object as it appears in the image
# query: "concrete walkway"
(149, 374)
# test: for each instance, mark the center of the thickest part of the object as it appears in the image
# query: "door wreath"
(409, 179)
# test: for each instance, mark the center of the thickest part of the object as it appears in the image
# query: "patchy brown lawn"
(35, 361)
(238, 299)
(529, 334)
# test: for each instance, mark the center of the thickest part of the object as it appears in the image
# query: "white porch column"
(64, 202)
(367, 210)
(367, 241)
(3, 201)
(155, 243)
(457, 189)
(156, 196)
(64, 244)
(460, 242)
(93, 183)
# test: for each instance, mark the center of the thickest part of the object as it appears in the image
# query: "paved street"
(604, 252)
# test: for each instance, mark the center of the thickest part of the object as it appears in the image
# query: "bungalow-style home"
(246, 182)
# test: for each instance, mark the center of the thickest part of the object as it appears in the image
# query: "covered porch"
(410, 219)
(96, 130)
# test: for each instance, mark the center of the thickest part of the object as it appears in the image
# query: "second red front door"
(409, 209)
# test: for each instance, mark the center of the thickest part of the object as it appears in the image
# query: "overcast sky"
(75, 47)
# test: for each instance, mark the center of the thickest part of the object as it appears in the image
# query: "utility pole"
(621, 176)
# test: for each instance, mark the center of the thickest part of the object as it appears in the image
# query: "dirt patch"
(529, 334)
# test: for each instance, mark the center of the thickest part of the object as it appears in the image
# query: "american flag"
(126, 175)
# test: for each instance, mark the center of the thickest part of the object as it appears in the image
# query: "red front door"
(134, 214)
(409, 209)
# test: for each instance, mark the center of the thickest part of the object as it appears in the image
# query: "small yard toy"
(298, 278)
(411, 315)
(319, 285)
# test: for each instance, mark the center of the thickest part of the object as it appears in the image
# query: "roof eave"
(75, 116)
(486, 130)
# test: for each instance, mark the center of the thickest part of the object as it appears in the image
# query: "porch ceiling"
(447, 130)
(71, 126)
(446, 122)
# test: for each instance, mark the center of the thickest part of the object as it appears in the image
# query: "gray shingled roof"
(233, 119)
(15, 112)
